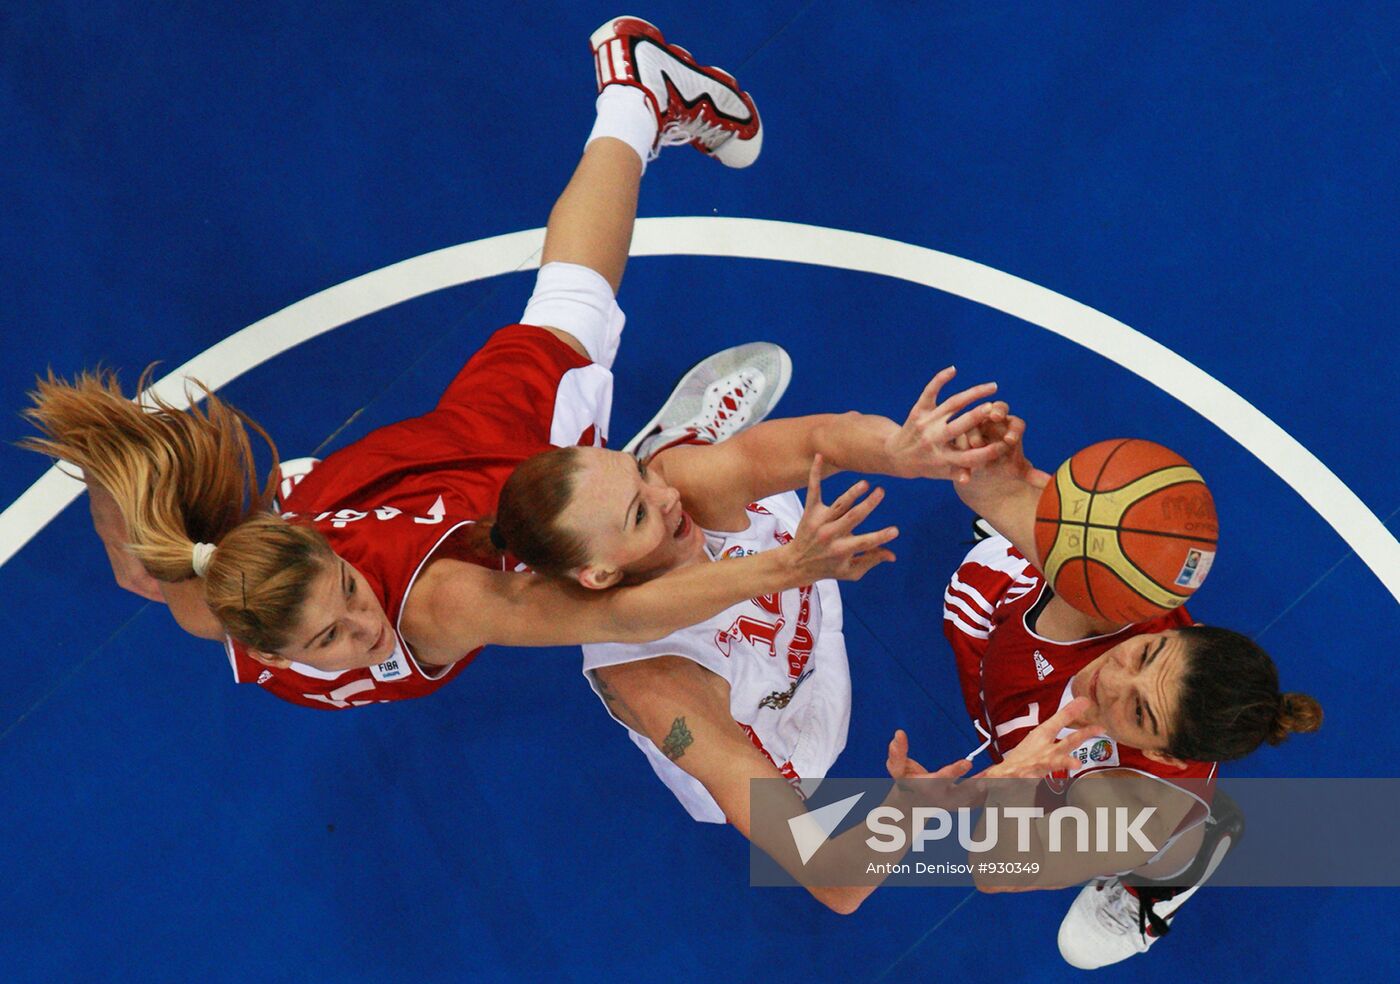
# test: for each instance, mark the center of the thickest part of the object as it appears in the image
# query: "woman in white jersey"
(762, 689)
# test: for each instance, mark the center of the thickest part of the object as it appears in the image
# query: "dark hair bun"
(1297, 714)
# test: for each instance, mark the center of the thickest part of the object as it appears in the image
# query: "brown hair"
(1230, 701)
(186, 477)
(527, 516)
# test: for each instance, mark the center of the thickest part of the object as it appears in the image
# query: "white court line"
(794, 243)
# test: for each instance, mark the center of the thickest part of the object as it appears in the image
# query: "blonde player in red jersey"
(1169, 700)
(761, 690)
(366, 590)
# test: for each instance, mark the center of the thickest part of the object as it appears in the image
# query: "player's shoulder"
(996, 555)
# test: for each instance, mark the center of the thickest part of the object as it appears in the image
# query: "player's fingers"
(898, 752)
(985, 414)
(928, 399)
(953, 770)
(847, 499)
(1015, 428)
(975, 457)
(1038, 478)
(965, 398)
(864, 563)
(814, 484)
(844, 522)
(1080, 737)
(1071, 715)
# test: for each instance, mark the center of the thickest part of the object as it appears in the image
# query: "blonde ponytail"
(178, 478)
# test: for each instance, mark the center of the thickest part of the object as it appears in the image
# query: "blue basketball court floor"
(1178, 223)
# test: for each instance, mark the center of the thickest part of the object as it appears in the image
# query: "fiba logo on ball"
(1126, 530)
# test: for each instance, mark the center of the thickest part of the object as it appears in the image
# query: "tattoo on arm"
(678, 740)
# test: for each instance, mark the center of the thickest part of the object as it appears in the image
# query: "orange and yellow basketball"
(1126, 530)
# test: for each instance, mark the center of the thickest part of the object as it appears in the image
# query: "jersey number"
(762, 633)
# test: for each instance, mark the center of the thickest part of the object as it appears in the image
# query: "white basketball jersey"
(784, 657)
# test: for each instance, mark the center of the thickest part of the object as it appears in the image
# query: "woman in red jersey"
(365, 590)
(1169, 700)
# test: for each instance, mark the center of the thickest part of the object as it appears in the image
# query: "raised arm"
(459, 606)
(773, 456)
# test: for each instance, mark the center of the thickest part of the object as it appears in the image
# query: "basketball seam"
(1089, 511)
(1149, 474)
(1120, 580)
(1173, 485)
(1132, 529)
(1146, 574)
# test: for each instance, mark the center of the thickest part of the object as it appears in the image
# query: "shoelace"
(1115, 914)
(732, 411)
(684, 131)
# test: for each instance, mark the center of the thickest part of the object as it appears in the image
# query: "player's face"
(342, 625)
(1136, 689)
(631, 520)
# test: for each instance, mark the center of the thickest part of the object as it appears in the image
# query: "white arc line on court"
(791, 242)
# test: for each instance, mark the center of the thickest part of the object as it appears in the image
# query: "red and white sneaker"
(717, 398)
(696, 104)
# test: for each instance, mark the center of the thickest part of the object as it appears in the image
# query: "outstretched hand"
(935, 441)
(1042, 751)
(935, 788)
(826, 545)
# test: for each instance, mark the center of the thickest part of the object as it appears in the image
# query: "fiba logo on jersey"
(738, 550)
(1095, 753)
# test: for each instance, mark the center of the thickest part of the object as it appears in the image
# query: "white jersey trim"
(403, 605)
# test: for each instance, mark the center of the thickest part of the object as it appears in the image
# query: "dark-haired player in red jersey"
(1169, 699)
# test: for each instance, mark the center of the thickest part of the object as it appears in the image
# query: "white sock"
(625, 114)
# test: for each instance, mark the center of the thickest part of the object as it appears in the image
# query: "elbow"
(842, 901)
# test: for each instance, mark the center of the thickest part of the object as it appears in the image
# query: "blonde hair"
(181, 478)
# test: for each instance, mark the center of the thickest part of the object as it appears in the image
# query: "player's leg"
(523, 387)
(650, 94)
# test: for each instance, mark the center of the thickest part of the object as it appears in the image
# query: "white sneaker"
(717, 398)
(696, 104)
(1108, 923)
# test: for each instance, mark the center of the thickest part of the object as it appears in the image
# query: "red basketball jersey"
(1013, 679)
(388, 501)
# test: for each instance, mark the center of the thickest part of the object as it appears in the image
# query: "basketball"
(1126, 530)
